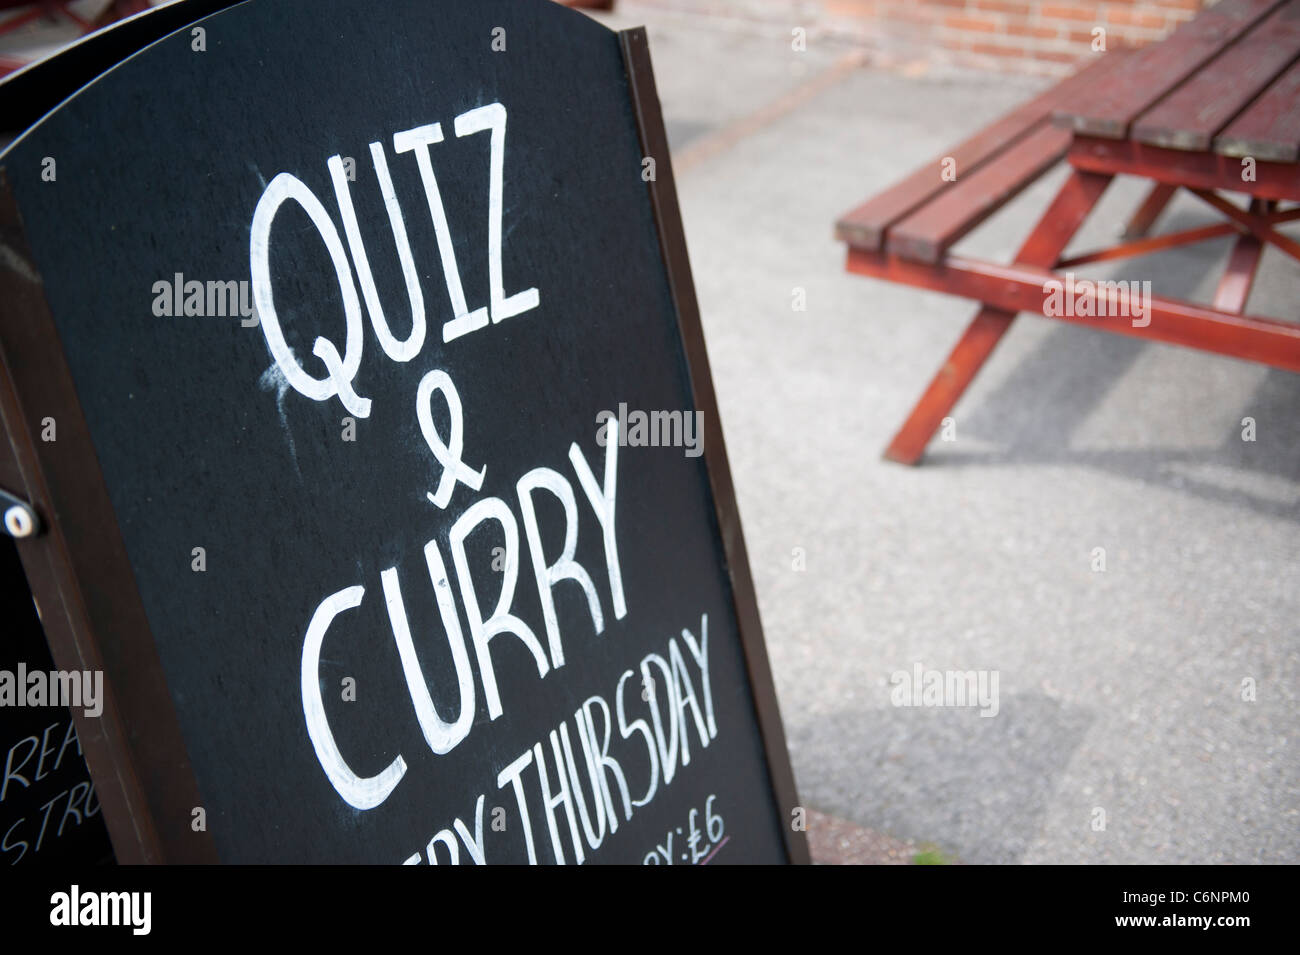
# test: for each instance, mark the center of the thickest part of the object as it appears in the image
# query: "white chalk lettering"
(357, 791)
(341, 370)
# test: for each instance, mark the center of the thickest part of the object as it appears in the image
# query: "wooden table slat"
(926, 234)
(866, 225)
(1188, 169)
(1190, 116)
(1151, 73)
(1269, 129)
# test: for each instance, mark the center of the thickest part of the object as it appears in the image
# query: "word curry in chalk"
(441, 735)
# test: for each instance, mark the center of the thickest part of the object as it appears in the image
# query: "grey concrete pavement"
(1120, 691)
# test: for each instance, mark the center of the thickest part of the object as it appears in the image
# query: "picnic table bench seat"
(922, 215)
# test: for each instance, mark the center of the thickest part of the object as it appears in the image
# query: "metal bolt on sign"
(20, 520)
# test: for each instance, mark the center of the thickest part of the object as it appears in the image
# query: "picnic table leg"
(1043, 247)
(968, 356)
(1239, 275)
(1150, 210)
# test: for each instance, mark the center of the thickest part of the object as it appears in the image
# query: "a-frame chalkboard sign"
(353, 373)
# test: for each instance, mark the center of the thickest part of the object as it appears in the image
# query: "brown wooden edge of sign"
(672, 247)
(81, 578)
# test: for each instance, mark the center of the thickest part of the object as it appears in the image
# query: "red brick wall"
(1038, 36)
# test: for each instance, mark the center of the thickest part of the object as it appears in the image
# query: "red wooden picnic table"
(1212, 109)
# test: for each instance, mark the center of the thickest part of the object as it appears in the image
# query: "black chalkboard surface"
(356, 372)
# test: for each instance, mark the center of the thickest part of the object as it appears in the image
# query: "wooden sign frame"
(91, 608)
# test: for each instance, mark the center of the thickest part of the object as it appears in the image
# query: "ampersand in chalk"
(453, 468)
